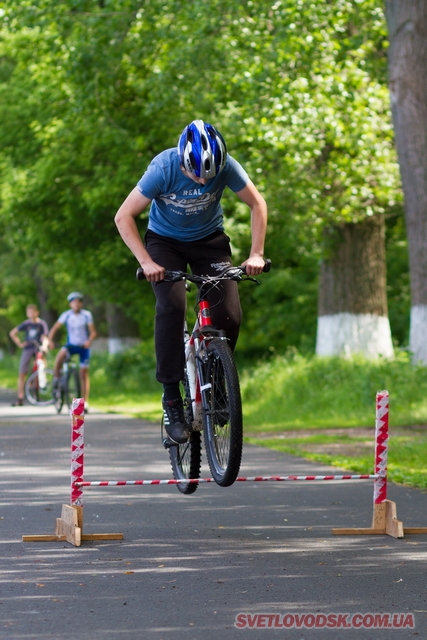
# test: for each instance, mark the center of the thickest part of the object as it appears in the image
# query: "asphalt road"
(188, 565)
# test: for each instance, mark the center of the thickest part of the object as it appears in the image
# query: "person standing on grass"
(183, 187)
(81, 333)
(36, 337)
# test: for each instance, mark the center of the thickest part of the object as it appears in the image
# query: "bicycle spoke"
(223, 414)
(186, 458)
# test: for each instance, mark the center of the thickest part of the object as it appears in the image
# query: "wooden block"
(68, 524)
(69, 527)
(43, 538)
(415, 530)
(358, 531)
(384, 521)
(102, 536)
(379, 516)
(394, 527)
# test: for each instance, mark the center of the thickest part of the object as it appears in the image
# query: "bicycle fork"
(193, 374)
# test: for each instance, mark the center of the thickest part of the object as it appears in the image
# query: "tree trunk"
(352, 293)
(46, 312)
(407, 24)
(122, 331)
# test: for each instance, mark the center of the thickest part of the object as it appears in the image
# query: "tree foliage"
(91, 90)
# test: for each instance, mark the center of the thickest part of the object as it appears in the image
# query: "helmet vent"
(192, 160)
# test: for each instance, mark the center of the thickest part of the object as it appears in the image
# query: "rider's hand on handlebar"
(153, 272)
(254, 265)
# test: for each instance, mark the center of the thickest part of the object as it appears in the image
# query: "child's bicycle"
(210, 390)
(69, 386)
(39, 385)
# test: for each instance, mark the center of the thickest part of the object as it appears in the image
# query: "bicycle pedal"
(168, 443)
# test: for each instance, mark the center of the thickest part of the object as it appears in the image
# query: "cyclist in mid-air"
(81, 333)
(184, 186)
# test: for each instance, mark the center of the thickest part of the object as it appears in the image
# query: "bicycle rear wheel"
(37, 395)
(72, 386)
(222, 416)
(186, 458)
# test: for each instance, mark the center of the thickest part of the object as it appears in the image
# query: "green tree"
(298, 89)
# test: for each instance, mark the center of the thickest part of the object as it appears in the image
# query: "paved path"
(189, 564)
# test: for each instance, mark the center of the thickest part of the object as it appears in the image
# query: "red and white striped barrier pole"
(77, 413)
(381, 447)
(379, 476)
(121, 483)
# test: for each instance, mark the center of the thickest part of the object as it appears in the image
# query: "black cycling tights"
(208, 256)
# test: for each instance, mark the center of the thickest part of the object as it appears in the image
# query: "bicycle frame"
(194, 355)
(40, 367)
(212, 400)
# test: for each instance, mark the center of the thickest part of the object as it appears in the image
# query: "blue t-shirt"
(181, 208)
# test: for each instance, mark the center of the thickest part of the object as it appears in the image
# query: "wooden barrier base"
(384, 522)
(69, 527)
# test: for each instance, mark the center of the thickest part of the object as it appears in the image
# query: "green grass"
(311, 393)
(407, 459)
(290, 393)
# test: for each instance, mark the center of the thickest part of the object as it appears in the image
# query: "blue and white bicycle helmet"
(74, 295)
(202, 149)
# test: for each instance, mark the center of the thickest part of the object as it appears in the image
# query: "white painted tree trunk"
(117, 345)
(353, 317)
(122, 330)
(345, 334)
(418, 333)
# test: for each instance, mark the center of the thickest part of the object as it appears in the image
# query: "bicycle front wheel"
(72, 387)
(186, 458)
(222, 415)
(35, 393)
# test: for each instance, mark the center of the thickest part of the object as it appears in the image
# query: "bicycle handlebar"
(230, 273)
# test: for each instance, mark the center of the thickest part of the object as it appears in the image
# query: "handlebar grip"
(267, 266)
(140, 274)
(266, 269)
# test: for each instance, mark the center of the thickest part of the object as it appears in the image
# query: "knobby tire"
(59, 395)
(186, 458)
(72, 387)
(222, 415)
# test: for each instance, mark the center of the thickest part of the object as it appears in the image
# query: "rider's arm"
(52, 332)
(92, 335)
(15, 337)
(256, 203)
(135, 204)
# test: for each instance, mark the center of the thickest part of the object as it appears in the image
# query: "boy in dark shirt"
(36, 332)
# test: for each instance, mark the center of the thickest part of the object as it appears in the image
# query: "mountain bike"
(39, 385)
(210, 390)
(69, 386)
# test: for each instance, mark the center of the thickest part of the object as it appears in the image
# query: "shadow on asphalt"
(189, 564)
